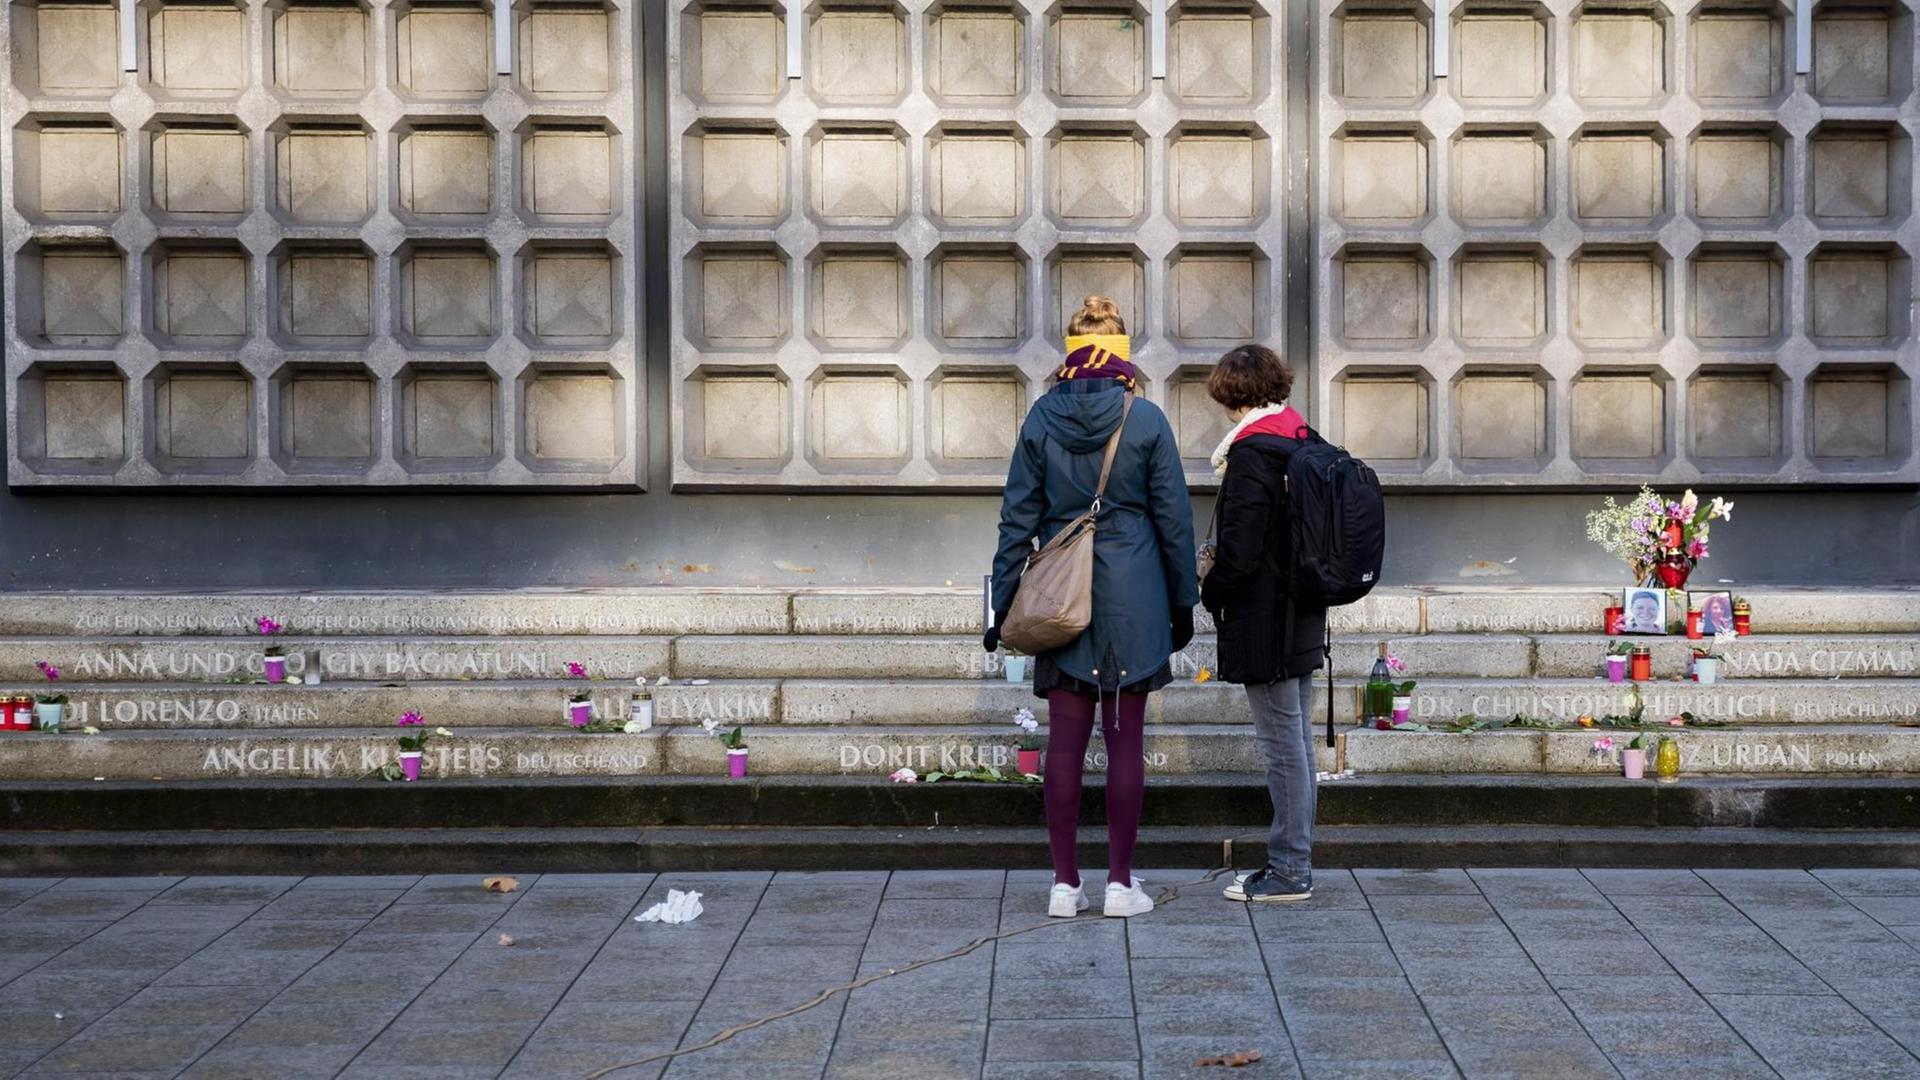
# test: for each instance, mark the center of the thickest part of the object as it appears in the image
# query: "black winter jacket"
(1264, 636)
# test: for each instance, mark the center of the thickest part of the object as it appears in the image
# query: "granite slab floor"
(1559, 974)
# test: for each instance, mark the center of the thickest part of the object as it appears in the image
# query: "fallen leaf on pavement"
(500, 884)
(1231, 1061)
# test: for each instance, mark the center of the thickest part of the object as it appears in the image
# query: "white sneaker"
(1066, 901)
(1125, 901)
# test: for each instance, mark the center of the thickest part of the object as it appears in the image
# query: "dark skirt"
(1048, 676)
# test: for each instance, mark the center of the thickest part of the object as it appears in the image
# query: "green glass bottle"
(1379, 698)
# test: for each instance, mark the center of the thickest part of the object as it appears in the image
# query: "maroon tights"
(1069, 727)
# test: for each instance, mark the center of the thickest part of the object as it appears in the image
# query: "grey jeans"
(1286, 738)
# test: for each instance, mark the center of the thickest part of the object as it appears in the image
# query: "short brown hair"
(1097, 315)
(1250, 376)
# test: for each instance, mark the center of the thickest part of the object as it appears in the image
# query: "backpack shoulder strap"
(1113, 447)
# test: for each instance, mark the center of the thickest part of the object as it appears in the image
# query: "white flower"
(904, 776)
(661, 681)
(293, 680)
(1721, 509)
(1025, 722)
(443, 733)
(634, 727)
(709, 723)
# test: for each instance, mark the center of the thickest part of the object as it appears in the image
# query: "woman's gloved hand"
(991, 639)
(1182, 628)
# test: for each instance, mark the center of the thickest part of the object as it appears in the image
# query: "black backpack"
(1339, 524)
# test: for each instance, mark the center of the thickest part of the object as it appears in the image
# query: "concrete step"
(695, 848)
(780, 656)
(1230, 802)
(913, 702)
(1171, 749)
(952, 611)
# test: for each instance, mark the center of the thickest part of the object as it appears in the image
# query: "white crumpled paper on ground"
(679, 907)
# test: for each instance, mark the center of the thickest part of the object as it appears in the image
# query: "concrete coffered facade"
(704, 256)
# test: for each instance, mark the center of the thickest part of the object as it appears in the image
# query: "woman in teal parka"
(1144, 586)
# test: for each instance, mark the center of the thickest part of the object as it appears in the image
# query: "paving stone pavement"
(1562, 974)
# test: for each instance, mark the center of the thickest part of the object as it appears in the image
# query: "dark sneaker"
(1270, 886)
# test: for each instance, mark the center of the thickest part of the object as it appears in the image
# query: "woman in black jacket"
(1144, 586)
(1266, 640)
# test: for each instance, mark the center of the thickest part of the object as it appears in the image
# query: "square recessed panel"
(1851, 415)
(1383, 180)
(330, 295)
(198, 171)
(1499, 179)
(1619, 300)
(742, 176)
(1211, 59)
(82, 296)
(446, 171)
(1098, 179)
(1618, 59)
(1214, 297)
(861, 300)
(198, 49)
(204, 415)
(1736, 57)
(858, 176)
(1736, 298)
(448, 296)
(1850, 297)
(1082, 275)
(79, 170)
(1383, 59)
(1735, 414)
(1502, 59)
(1619, 416)
(321, 49)
(979, 55)
(743, 299)
(1199, 423)
(84, 416)
(1099, 57)
(979, 417)
(1213, 179)
(1384, 418)
(1383, 300)
(1736, 179)
(980, 299)
(978, 179)
(201, 296)
(573, 417)
(567, 52)
(1851, 179)
(569, 173)
(743, 417)
(861, 417)
(329, 415)
(445, 51)
(452, 416)
(1501, 417)
(572, 296)
(739, 55)
(1618, 179)
(1503, 299)
(79, 48)
(859, 57)
(324, 175)
(1851, 58)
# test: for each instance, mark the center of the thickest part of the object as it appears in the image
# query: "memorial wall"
(706, 256)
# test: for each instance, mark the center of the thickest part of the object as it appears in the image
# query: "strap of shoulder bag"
(1113, 447)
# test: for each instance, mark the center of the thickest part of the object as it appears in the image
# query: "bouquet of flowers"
(1657, 539)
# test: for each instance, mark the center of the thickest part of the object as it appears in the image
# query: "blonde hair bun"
(1097, 315)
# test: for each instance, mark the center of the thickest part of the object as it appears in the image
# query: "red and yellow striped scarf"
(1098, 356)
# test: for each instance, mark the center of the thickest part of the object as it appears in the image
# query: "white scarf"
(1226, 444)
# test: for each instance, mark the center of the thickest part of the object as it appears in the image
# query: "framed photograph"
(1716, 611)
(1645, 610)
